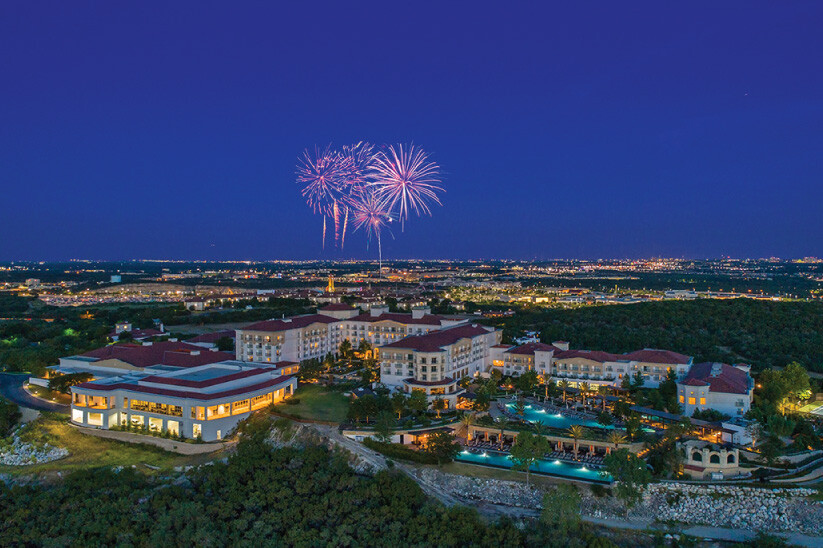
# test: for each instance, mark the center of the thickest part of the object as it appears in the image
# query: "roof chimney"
(419, 311)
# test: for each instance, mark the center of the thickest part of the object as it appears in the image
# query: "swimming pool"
(549, 468)
(535, 413)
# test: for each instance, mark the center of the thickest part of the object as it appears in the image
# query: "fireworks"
(374, 186)
(406, 180)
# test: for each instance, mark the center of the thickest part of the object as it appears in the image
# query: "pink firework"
(406, 181)
(358, 160)
(323, 177)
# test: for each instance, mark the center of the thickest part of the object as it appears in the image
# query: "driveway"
(11, 387)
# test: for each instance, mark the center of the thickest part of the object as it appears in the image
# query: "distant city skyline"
(561, 134)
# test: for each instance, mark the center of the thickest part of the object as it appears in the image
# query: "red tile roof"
(529, 349)
(652, 355)
(134, 387)
(594, 355)
(177, 354)
(213, 337)
(427, 319)
(720, 377)
(296, 322)
(436, 340)
(336, 307)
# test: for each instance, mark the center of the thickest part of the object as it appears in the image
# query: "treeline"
(762, 333)
(262, 496)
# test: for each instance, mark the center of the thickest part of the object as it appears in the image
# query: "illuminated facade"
(203, 402)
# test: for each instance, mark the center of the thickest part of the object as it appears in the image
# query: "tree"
(527, 449)
(418, 401)
(398, 403)
(576, 432)
(796, 379)
(755, 432)
(467, 420)
(363, 407)
(9, 415)
(520, 408)
(771, 449)
(225, 344)
(633, 425)
(604, 419)
(345, 349)
(481, 402)
(438, 405)
(637, 381)
(545, 379)
(616, 438)
(63, 383)
(561, 509)
(384, 427)
(584, 391)
(603, 391)
(497, 375)
(526, 381)
(502, 424)
(563, 385)
(630, 474)
(442, 446)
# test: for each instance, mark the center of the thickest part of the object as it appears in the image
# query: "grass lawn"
(317, 403)
(90, 452)
(47, 394)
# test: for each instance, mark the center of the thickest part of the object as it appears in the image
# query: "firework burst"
(324, 177)
(406, 181)
(371, 214)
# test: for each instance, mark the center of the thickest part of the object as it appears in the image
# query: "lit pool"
(535, 413)
(546, 467)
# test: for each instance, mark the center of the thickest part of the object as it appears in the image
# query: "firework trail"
(371, 214)
(406, 181)
(323, 176)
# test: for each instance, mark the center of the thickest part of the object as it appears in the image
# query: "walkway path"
(11, 387)
(174, 446)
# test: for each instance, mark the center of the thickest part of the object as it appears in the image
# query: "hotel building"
(725, 388)
(591, 366)
(435, 362)
(314, 335)
(204, 402)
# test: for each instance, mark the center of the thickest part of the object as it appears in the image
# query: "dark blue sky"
(616, 129)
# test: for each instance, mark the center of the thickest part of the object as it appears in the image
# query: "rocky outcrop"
(16, 452)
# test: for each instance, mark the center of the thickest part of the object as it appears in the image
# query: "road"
(11, 387)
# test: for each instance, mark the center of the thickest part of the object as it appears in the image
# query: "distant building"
(209, 340)
(136, 334)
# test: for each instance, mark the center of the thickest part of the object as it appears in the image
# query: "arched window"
(730, 459)
(714, 458)
(696, 456)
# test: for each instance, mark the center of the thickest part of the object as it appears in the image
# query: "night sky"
(580, 130)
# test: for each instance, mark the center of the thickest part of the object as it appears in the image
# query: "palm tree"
(616, 438)
(502, 423)
(545, 378)
(539, 427)
(603, 390)
(467, 420)
(564, 385)
(584, 390)
(576, 432)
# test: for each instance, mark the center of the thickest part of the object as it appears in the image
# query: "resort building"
(313, 336)
(711, 461)
(591, 366)
(203, 402)
(719, 386)
(117, 359)
(435, 362)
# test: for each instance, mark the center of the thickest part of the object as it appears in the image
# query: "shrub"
(399, 451)
(292, 401)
